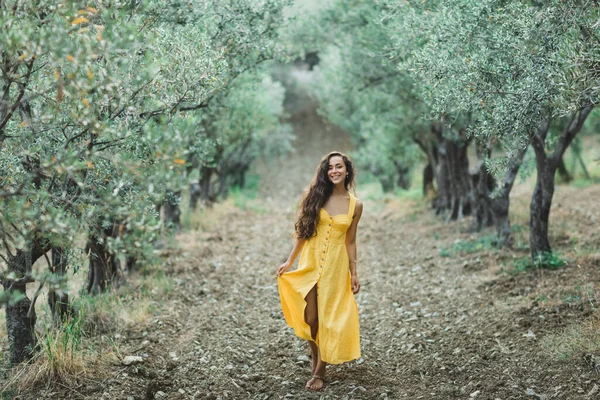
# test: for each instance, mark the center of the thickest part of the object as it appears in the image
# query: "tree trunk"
(387, 184)
(104, 267)
(19, 325)
(403, 177)
(483, 183)
(563, 172)
(171, 210)
(428, 176)
(539, 209)
(20, 315)
(455, 190)
(546, 165)
(195, 193)
(223, 187)
(131, 263)
(59, 302)
(206, 174)
(501, 203)
(577, 157)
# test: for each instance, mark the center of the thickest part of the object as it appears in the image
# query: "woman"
(318, 298)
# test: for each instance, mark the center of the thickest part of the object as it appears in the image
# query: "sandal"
(322, 378)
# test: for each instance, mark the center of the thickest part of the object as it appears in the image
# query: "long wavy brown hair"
(317, 195)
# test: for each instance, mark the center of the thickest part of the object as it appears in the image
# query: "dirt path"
(432, 327)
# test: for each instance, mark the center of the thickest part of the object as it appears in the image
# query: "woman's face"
(337, 170)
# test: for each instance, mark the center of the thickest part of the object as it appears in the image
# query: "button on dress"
(324, 263)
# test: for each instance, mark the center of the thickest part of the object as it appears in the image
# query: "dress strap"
(352, 205)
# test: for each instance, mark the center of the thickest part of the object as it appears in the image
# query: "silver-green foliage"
(509, 65)
(362, 91)
(104, 102)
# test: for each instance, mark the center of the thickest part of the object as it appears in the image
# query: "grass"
(582, 182)
(544, 261)
(205, 217)
(575, 340)
(64, 357)
(462, 247)
(82, 347)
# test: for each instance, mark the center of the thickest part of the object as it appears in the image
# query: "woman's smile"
(337, 169)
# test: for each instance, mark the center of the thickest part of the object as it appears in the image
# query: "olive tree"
(99, 105)
(523, 72)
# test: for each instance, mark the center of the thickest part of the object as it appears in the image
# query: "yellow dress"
(324, 262)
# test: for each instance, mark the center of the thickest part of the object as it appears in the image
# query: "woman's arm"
(351, 245)
(298, 245)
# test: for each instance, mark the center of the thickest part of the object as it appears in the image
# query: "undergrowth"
(82, 347)
(550, 261)
(574, 341)
(461, 247)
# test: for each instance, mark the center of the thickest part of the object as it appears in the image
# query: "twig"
(236, 385)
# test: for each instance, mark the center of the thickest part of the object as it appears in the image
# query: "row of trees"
(107, 110)
(443, 76)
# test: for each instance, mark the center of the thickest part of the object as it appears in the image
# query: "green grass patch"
(246, 198)
(412, 193)
(461, 247)
(550, 261)
(516, 228)
(584, 183)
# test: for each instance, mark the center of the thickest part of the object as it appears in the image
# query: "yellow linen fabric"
(324, 263)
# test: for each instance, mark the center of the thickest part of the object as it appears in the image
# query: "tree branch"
(19, 97)
(571, 130)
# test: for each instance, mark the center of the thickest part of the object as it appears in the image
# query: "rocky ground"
(438, 321)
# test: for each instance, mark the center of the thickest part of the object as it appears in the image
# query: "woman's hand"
(283, 267)
(355, 284)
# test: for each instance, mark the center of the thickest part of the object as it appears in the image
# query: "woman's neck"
(339, 190)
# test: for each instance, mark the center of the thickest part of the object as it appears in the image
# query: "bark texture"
(403, 175)
(104, 270)
(428, 175)
(20, 315)
(501, 203)
(454, 184)
(546, 166)
(483, 183)
(207, 194)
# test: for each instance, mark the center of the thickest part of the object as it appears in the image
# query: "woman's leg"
(317, 383)
(314, 355)
(311, 316)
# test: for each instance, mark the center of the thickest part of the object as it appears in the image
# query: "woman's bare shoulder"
(359, 205)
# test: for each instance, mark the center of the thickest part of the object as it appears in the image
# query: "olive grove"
(106, 108)
(494, 76)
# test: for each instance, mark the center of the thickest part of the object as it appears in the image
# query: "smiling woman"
(318, 298)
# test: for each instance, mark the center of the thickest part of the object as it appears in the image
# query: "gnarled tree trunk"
(59, 301)
(403, 177)
(483, 183)
(501, 203)
(546, 165)
(430, 151)
(195, 194)
(455, 189)
(20, 315)
(206, 191)
(428, 179)
(104, 269)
